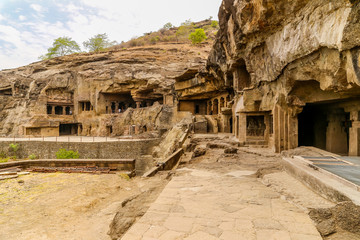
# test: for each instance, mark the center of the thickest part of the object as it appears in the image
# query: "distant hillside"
(173, 34)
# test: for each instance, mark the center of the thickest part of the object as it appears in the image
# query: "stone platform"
(200, 204)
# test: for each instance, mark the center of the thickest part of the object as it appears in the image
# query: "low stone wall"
(119, 164)
(93, 150)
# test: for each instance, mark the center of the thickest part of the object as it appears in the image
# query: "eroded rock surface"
(96, 94)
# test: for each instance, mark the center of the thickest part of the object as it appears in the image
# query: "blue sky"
(28, 27)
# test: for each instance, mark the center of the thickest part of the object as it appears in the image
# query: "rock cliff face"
(295, 40)
(284, 58)
(280, 73)
(110, 93)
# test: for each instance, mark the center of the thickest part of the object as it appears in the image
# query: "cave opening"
(324, 126)
(68, 129)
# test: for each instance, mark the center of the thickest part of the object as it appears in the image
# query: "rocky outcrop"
(288, 52)
(294, 68)
(89, 83)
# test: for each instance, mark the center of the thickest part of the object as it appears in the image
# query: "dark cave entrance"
(324, 126)
(68, 129)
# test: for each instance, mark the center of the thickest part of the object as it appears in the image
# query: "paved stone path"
(204, 204)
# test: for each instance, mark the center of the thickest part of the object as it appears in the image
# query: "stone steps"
(256, 143)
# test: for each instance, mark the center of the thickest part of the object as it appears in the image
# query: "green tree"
(61, 46)
(98, 43)
(198, 36)
(168, 26)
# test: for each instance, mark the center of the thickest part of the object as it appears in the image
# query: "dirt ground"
(83, 206)
(65, 206)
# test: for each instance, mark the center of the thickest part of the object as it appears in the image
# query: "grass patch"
(124, 176)
(4, 160)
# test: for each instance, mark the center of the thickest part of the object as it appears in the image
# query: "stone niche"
(59, 102)
(111, 103)
(42, 131)
(59, 96)
(193, 106)
(6, 91)
(85, 106)
(255, 126)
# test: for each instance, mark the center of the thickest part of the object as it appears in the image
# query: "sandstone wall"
(137, 76)
(284, 45)
(280, 57)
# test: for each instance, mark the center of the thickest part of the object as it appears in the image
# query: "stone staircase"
(256, 143)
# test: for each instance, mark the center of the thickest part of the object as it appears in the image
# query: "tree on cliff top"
(98, 43)
(61, 46)
(168, 25)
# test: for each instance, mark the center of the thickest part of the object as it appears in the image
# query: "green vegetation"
(32, 157)
(124, 176)
(168, 25)
(65, 154)
(98, 43)
(13, 148)
(3, 154)
(61, 46)
(214, 24)
(154, 40)
(198, 36)
(168, 33)
(3, 157)
(185, 29)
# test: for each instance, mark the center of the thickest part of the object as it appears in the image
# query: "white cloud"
(37, 7)
(16, 51)
(1, 17)
(22, 18)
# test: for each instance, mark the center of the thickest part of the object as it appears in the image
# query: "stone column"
(138, 104)
(293, 132)
(52, 110)
(242, 127)
(276, 129)
(354, 134)
(336, 138)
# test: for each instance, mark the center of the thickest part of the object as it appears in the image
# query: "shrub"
(154, 40)
(14, 147)
(32, 157)
(214, 24)
(4, 160)
(198, 36)
(124, 176)
(65, 154)
(2, 154)
(182, 30)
